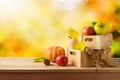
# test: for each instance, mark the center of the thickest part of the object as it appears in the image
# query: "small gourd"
(53, 52)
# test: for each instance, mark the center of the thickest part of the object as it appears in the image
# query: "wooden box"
(97, 41)
(81, 59)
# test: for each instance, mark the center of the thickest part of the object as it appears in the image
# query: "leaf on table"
(41, 59)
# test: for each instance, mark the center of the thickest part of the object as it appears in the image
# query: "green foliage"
(118, 12)
(109, 25)
(41, 59)
(116, 48)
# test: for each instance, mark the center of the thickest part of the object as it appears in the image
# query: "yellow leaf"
(73, 33)
(79, 46)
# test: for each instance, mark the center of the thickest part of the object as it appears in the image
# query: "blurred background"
(29, 27)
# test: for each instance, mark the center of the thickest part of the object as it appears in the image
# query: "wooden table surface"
(25, 69)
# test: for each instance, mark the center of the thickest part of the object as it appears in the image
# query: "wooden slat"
(38, 71)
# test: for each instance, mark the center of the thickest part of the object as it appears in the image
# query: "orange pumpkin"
(53, 52)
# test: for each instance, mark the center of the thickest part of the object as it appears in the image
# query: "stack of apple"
(96, 28)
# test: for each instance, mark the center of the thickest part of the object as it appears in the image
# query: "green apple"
(92, 24)
(102, 28)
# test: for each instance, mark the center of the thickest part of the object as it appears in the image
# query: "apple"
(92, 24)
(62, 60)
(101, 28)
(88, 31)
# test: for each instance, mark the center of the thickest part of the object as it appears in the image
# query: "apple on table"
(62, 60)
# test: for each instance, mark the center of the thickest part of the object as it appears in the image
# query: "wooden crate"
(81, 59)
(97, 41)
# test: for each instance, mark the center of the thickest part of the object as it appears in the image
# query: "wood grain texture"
(61, 76)
(38, 71)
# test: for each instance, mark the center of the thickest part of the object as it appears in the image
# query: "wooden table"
(25, 69)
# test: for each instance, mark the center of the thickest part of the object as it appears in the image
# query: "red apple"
(88, 31)
(62, 60)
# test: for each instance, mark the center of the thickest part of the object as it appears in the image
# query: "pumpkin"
(53, 52)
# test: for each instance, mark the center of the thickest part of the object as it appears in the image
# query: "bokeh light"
(29, 27)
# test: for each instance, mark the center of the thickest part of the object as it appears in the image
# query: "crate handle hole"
(72, 53)
(88, 39)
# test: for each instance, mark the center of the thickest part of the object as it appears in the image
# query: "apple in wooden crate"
(101, 39)
(88, 31)
(102, 28)
(97, 41)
